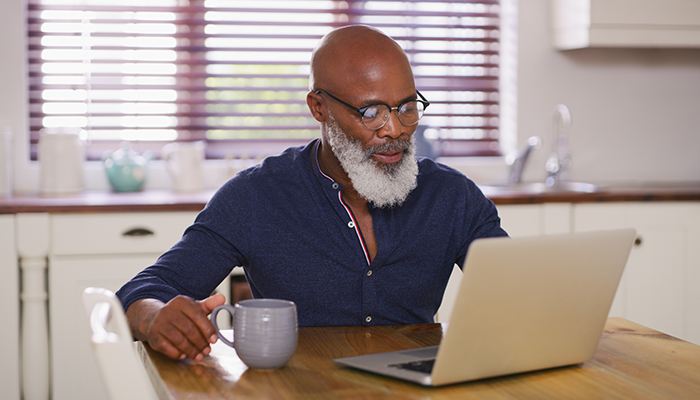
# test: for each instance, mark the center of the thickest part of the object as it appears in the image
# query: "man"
(352, 228)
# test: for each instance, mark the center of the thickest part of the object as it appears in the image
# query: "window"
(235, 73)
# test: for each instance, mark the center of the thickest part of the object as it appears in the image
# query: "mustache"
(393, 145)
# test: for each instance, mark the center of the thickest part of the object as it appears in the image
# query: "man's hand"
(179, 328)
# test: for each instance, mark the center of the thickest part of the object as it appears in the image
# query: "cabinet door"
(535, 219)
(9, 298)
(74, 370)
(521, 220)
(663, 284)
(662, 275)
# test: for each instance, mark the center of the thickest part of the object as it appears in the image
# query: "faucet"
(517, 161)
(559, 162)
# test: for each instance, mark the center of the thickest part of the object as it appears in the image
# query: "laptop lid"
(524, 304)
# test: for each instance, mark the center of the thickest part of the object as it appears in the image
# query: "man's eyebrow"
(368, 103)
(409, 98)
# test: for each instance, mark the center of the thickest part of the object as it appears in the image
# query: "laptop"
(524, 304)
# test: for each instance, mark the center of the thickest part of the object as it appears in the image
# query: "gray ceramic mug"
(264, 331)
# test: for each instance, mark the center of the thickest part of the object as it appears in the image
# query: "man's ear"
(316, 106)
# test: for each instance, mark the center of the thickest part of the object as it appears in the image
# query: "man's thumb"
(210, 303)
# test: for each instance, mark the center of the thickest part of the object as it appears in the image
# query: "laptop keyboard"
(418, 366)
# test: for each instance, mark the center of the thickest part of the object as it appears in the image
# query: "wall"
(14, 109)
(635, 112)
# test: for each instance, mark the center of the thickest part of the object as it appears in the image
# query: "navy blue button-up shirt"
(285, 222)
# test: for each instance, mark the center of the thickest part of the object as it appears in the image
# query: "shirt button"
(335, 185)
(351, 224)
(368, 319)
(369, 273)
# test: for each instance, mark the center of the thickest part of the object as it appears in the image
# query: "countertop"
(168, 200)
(603, 193)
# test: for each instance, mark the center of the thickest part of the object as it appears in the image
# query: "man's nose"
(393, 127)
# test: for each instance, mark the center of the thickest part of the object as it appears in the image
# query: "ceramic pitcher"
(183, 161)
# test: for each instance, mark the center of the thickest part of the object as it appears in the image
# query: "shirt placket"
(351, 220)
(368, 298)
(367, 290)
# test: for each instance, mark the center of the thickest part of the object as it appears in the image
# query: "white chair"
(123, 373)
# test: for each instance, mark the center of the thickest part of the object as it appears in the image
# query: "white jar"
(183, 161)
(61, 156)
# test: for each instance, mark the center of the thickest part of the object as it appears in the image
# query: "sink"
(540, 187)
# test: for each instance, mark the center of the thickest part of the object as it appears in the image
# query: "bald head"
(357, 57)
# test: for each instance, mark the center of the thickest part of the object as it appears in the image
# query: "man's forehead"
(359, 56)
(379, 82)
(367, 79)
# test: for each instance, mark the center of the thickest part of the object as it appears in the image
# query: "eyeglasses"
(376, 116)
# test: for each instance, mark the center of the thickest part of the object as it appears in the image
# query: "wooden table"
(632, 362)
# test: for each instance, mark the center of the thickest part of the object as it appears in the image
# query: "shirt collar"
(317, 165)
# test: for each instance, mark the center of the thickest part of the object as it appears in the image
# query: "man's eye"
(409, 108)
(371, 112)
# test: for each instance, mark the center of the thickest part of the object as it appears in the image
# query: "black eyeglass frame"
(362, 110)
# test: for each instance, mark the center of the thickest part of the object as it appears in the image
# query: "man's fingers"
(194, 340)
(162, 344)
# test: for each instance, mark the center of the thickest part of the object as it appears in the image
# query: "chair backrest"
(123, 374)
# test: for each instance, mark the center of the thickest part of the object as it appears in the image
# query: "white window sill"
(216, 172)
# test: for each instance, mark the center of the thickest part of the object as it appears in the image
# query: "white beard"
(383, 185)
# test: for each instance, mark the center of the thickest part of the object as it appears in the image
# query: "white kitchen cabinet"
(535, 219)
(521, 220)
(103, 250)
(625, 23)
(661, 284)
(9, 298)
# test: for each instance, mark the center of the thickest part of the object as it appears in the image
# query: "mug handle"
(228, 308)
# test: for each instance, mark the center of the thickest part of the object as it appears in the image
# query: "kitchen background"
(636, 119)
(636, 112)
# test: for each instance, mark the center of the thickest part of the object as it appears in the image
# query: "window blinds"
(235, 73)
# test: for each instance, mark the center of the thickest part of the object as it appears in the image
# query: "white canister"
(5, 161)
(61, 156)
(183, 161)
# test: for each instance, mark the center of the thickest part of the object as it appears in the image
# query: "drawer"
(117, 233)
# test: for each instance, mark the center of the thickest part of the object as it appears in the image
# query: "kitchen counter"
(106, 201)
(619, 193)
(167, 200)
